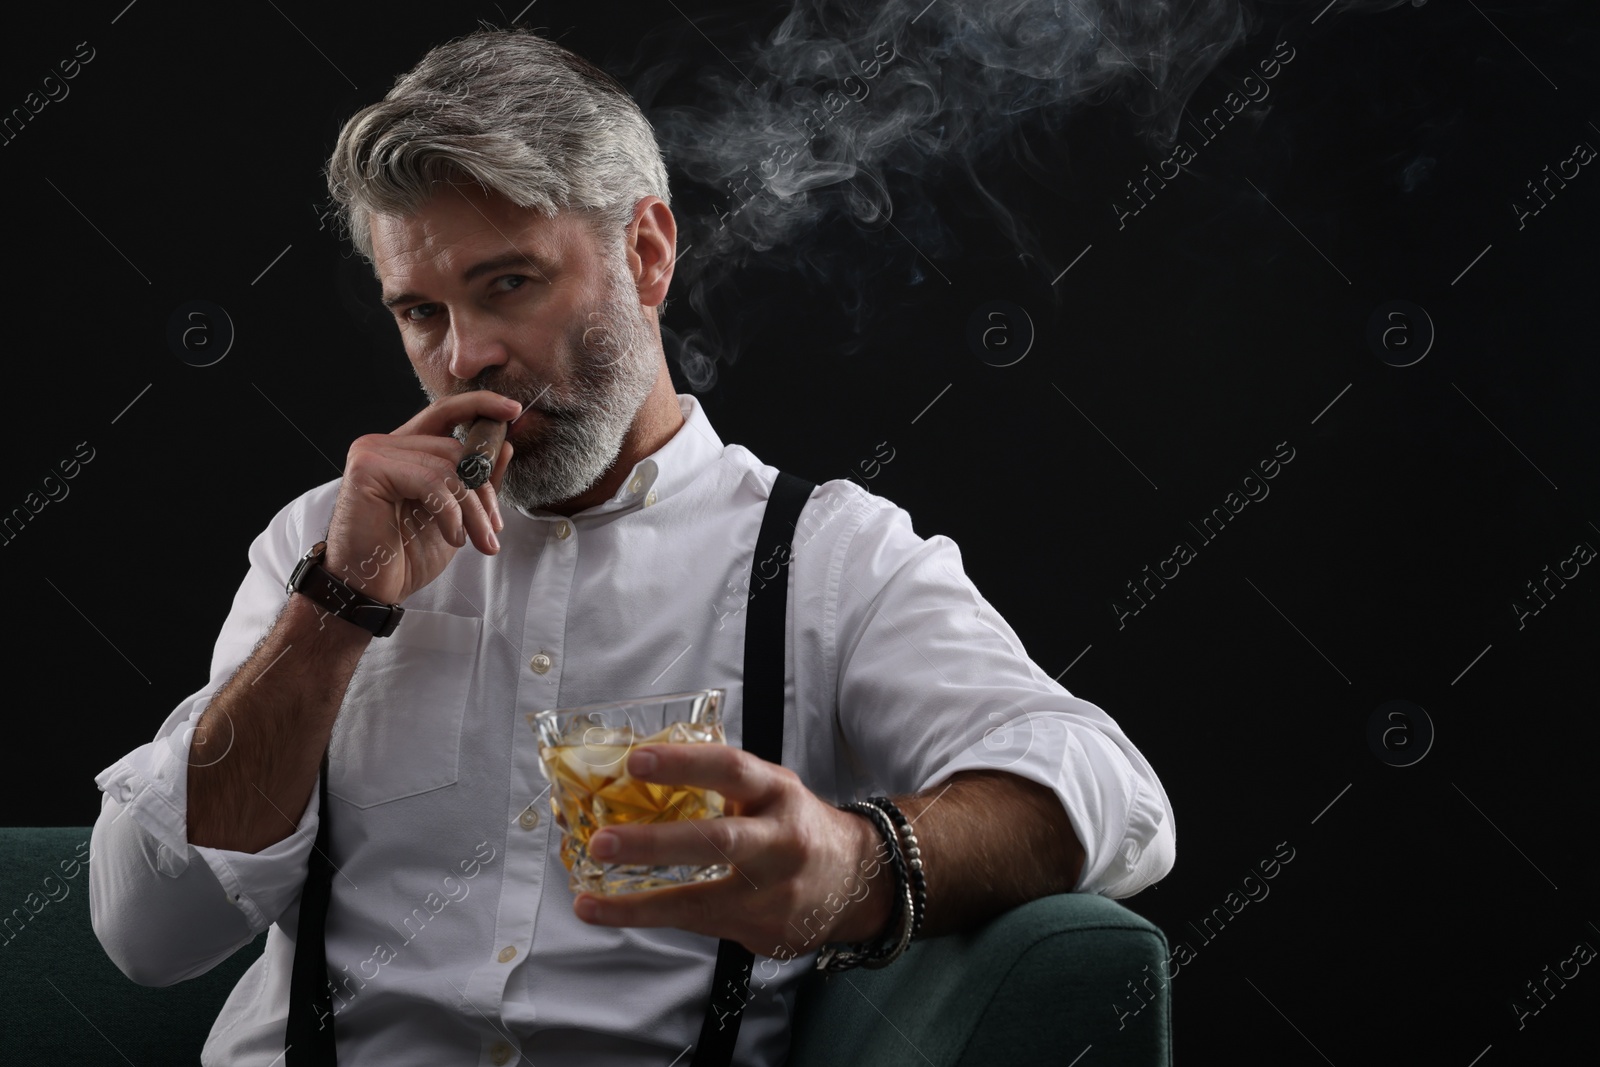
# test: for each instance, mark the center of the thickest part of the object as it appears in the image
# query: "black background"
(1214, 325)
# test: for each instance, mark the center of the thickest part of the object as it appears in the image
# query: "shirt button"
(636, 485)
(650, 498)
(540, 663)
(563, 530)
(507, 954)
(499, 1053)
(529, 819)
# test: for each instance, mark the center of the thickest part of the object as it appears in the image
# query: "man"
(515, 208)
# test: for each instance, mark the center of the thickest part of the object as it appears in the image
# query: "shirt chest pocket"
(398, 733)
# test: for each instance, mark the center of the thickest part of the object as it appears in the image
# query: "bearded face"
(575, 429)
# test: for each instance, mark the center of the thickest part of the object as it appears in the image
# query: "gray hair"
(516, 113)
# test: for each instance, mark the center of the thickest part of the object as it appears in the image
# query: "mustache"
(527, 396)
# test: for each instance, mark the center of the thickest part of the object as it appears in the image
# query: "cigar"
(482, 448)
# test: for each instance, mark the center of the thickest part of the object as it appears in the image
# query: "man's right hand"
(402, 510)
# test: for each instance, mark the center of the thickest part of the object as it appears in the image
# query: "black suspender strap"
(766, 624)
(308, 1039)
(309, 1035)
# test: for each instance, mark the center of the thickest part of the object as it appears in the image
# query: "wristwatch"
(312, 579)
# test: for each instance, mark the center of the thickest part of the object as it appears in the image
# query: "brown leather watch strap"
(313, 580)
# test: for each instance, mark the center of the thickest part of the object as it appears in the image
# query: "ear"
(651, 248)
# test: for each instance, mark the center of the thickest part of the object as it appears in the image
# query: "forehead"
(462, 224)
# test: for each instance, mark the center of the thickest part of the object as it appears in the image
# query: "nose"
(474, 342)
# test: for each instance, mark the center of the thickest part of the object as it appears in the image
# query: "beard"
(577, 431)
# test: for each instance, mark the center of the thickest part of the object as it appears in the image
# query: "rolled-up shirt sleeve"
(932, 681)
(166, 910)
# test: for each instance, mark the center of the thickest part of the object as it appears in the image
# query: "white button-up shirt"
(451, 936)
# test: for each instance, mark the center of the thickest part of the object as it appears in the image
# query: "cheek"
(429, 374)
(593, 333)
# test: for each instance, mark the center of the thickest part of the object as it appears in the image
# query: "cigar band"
(474, 470)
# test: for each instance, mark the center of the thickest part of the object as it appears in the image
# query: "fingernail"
(603, 846)
(588, 909)
(494, 542)
(642, 762)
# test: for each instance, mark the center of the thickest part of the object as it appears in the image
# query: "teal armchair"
(1039, 985)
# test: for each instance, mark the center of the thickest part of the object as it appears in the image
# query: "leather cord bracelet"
(897, 936)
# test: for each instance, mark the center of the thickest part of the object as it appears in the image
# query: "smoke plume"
(841, 103)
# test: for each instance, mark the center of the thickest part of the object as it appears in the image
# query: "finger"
(700, 908)
(733, 772)
(449, 450)
(441, 417)
(490, 493)
(467, 518)
(446, 494)
(446, 448)
(487, 495)
(476, 515)
(408, 476)
(696, 842)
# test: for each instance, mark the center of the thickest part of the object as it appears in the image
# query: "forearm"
(990, 841)
(257, 748)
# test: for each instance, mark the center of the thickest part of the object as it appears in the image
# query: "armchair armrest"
(1037, 985)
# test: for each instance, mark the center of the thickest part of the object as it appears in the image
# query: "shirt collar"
(668, 469)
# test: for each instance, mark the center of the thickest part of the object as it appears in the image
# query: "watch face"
(313, 555)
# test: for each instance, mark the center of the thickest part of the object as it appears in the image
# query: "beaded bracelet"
(889, 946)
(913, 859)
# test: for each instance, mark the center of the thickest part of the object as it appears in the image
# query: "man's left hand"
(796, 859)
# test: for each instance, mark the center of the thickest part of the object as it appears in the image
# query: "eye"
(410, 314)
(406, 314)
